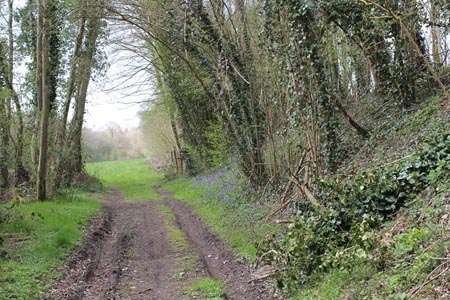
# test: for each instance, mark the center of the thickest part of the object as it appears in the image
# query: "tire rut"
(212, 252)
(127, 255)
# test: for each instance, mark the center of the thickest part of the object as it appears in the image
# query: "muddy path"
(138, 250)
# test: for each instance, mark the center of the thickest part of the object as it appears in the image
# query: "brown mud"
(128, 254)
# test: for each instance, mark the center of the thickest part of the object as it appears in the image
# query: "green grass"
(178, 241)
(134, 177)
(336, 285)
(329, 288)
(234, 222)
(177, 237)
(37, 238)
(206, 288)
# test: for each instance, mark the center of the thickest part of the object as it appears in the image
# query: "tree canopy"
(270, 85)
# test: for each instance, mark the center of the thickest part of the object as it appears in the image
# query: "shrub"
(342, 234)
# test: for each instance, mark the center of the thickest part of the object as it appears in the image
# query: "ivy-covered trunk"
(84, 76)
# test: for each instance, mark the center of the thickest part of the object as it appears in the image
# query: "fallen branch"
(308, 194)
(278, 209)
(294, 175)
(263, 272)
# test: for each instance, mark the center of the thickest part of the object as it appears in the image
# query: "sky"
(109, 102)
(119, 95)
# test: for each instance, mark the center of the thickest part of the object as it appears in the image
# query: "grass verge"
(134, 177)
(36, 238)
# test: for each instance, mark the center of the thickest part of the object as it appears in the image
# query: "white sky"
(110, 101)
(119, 95)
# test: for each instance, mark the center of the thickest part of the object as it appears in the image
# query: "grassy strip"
(335, 285)
(178, 241)
(133, 177)
(236, 222)
(206, 288)
(37, 238)
(202, 288)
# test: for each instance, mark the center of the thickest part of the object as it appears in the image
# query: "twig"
(428, 279)
(265, 188)
(263, 272)
(426, 250)
(256, 278)
(143, 291)
(393, 162)
(259, 259)
(441, 258)
(284, 221)
(279, 208)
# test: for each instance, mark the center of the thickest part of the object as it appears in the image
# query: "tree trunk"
(42, 55)
(435, 35)
(93, 28)
(21, 175)
(62, 165)
(73, 72)
(38, 108)
(4, 141)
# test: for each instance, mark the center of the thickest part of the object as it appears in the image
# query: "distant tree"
(112, 143)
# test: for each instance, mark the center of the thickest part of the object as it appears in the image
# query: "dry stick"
(279, 208)
(267, 273)
(261, 277)
(283, 201)
(361, 130)
(259, 259)
(265, 188)
(144, 291)
(307, 193)
(428, 280)
(284, 221)
(424, 251)
(392, 162)
(441, 258)
(288, 187)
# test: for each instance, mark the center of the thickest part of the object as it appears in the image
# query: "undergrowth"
(344, 233)
(382, 232)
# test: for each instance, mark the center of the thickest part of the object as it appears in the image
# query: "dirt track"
(128, 254)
